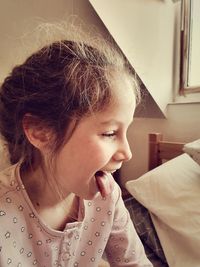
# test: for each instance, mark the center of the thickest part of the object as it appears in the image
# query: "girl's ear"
(36, 132)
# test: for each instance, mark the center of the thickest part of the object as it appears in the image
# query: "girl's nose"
(124, 152)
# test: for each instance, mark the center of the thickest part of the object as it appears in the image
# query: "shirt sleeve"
(124, 248)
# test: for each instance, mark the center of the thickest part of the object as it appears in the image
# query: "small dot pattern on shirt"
(26, 241)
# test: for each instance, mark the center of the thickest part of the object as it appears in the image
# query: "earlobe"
(36, 132)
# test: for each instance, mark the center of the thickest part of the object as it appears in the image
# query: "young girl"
(64, 114)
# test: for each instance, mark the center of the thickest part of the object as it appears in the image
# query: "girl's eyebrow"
(110, 122)
(113, 122)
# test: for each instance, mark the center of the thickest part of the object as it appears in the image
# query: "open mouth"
(101, 173)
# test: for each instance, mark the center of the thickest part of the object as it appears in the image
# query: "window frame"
(184, 49)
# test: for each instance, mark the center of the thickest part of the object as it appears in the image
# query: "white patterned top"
(103, 226)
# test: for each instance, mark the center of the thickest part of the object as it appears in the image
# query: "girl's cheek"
(103, 152)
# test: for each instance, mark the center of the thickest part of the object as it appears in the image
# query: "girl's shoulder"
(4, 156)
(8, 181)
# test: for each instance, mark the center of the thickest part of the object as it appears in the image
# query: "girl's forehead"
(116, 113)
(120, 108)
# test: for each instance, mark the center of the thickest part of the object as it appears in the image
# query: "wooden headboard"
(160, 150)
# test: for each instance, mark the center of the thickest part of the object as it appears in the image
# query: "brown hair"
(60, 82)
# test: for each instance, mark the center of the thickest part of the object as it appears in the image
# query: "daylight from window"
(194, 51)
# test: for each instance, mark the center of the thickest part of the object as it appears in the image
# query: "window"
(190, 43)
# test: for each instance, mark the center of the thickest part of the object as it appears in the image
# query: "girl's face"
(98, 143)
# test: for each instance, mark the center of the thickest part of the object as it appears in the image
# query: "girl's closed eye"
(110, 134)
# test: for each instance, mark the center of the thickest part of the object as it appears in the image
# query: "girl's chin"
(93, 189)
(90, 191)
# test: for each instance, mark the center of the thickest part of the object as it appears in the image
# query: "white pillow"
(193, 149)
(171, 192)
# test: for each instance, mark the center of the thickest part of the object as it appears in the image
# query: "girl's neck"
(40, 186)
(47, 202)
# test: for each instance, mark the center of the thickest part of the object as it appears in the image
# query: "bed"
(164, 203)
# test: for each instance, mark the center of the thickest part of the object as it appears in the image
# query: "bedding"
(146, 231)
(193, 150)
(171, 193)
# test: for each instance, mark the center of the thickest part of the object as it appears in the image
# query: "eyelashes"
(110, 134)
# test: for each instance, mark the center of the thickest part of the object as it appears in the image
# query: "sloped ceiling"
(144, 31)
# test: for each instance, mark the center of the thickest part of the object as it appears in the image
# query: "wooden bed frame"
(161, 151)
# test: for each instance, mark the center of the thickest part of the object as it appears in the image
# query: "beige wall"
(145, 30)
(17, 17)
(182, 125)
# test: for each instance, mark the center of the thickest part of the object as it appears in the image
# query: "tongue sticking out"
(104, 182)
